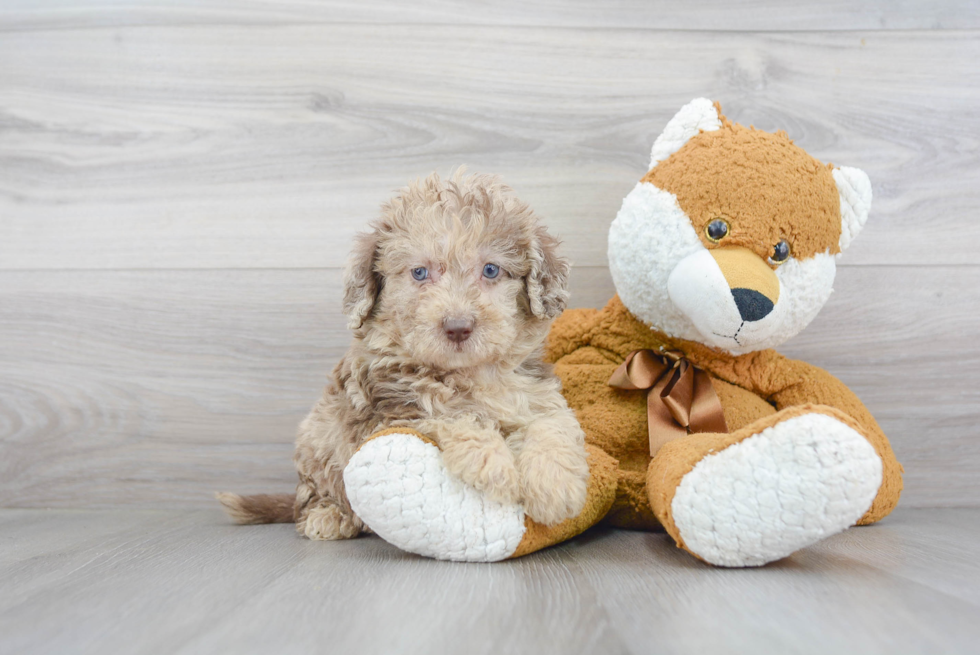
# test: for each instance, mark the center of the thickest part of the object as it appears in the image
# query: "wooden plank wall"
(179, 184)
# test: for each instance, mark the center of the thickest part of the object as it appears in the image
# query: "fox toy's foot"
(764, 492)
(399, 487)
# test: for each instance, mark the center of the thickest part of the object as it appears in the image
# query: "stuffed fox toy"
(725, 249)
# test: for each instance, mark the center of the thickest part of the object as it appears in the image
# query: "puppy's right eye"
(420, 273)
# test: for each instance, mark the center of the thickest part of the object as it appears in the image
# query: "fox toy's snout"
(729, 294)
(753, 284)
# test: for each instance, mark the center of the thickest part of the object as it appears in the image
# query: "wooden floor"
(180, 181)
(127, 581)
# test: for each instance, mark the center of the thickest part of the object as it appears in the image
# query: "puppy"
(450, 297)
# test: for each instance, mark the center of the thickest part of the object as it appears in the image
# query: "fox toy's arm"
(569, 332)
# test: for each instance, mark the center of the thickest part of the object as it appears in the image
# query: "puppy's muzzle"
(457, 330)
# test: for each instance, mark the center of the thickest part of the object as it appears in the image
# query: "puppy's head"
(456, 273)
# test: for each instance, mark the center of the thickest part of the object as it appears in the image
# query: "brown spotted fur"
(491, 404)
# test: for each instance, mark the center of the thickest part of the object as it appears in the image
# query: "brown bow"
(680, 399)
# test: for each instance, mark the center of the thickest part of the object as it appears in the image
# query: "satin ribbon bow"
(680, 398)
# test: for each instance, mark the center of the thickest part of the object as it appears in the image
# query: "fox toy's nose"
(458, 330)
(753, 284)
(752, 305)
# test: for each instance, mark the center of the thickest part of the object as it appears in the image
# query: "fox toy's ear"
(362, 283)
(854, 188)
(697, 115)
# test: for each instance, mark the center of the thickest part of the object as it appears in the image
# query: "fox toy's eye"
(716, 230)
(420, 273)
(490, 271)
(780, 253)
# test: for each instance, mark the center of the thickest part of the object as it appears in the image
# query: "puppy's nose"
(752, 305)
(457, 329)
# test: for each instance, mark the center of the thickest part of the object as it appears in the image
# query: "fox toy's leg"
(765, 491)
(399, 487)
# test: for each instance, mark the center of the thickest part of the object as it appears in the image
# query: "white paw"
(398, 485)
(785, 488)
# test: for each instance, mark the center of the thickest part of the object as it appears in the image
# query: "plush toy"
(725, 249)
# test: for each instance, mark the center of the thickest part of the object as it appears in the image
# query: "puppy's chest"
(505, 399)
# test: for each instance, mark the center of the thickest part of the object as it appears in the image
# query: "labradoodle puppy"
(450, 297)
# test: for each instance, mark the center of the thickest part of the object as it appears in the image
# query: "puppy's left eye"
(780, 253)
(490, 271)
(420, 273)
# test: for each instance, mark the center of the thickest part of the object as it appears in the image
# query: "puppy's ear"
(547, 281)
(362, 283)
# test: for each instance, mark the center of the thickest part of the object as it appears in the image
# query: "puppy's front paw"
(487, 466)
(330, 523)
(553, 482)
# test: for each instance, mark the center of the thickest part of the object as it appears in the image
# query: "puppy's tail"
(261, 508)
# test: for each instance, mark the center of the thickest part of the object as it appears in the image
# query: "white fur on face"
(650, 236)
(668, 279)
(698, 288)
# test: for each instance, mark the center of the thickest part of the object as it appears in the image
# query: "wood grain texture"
(158, 388)
(631, 14)
(179, 184)
(217, 146)
(189, 582)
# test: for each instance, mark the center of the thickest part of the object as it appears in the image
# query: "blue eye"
(420, 273)
(491, 271)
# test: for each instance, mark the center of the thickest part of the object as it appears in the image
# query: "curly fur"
(491, 404)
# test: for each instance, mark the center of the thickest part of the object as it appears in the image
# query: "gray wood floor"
(179, 184)
(188, 582)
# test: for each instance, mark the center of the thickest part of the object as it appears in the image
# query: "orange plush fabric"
(725, 249)
(601, 494)
(761, 183)
(587, 345)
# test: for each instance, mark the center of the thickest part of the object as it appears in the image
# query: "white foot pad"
(785, 488)
(398, 485)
